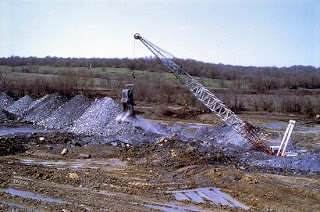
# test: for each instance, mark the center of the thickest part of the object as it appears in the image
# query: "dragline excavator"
(207, 98)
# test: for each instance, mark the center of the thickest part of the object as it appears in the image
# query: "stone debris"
(84, 156)
(3, 116)
(5, 102)
(43, 108)
(64, 151)
(64, 116)
(100, 120)
(20, 106)
(95, 119)
(317, 119)
(96, 122)
(73, 176)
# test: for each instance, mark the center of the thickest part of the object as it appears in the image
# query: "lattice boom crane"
(207, 98)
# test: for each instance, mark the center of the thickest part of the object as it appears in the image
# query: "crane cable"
(134, 47)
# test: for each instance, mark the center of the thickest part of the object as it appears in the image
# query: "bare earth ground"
(122, 177)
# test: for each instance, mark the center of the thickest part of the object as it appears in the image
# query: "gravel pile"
(5, 102)
(64, 117)
(94, 120)
(43, 108)
(20, 106)
(307, 161)
(100, 120)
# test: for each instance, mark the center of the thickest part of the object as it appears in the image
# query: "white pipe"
(284, 138)
(292, 123)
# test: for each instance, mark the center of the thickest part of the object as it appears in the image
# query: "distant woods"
(255, 78)
(294, 89)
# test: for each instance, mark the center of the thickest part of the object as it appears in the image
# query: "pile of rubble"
(79, 116)
(95, 119)
(20, 107)
(64, 116)
(5, 102)
(43, 108)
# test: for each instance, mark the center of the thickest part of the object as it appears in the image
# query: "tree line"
(292, 89)
(259, 79)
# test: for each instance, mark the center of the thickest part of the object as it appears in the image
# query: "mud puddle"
(279, 127)
(30, 195)
(44, 163)
(213, 195)
(174, 207)
(4, 131)
(106, 164)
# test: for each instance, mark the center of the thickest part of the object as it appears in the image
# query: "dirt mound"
(13, 145)
(20, 106)
(66, 114)
(175, 153)
(43, 108)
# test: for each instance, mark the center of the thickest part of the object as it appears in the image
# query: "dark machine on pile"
(127, 100)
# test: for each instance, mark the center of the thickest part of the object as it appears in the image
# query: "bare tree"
(6, 79)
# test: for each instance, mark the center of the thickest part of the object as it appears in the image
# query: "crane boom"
(206, 97)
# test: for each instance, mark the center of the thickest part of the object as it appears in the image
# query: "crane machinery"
(207, 98)
(127, 100)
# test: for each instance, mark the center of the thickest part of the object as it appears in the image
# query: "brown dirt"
(115, 178)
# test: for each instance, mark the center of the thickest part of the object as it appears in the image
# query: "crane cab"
(127, 100)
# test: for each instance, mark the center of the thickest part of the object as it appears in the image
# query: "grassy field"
(97, 74)
(160, 87)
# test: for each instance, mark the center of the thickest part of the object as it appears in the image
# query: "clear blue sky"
(237, 32)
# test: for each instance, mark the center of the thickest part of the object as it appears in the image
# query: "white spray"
(138, 122)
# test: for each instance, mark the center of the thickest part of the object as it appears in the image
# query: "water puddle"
(111, 163)
(20, 130)
(45, 163)
(174, 207)
(213, 195)
(297, 128)
(30, 195)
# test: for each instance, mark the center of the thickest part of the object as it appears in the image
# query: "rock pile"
(5, 101)
(100, 120)
(43, 108)
(20, 106)
(95, 119)
(64, 116)
(81, 116)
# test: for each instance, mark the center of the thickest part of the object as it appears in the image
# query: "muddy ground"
(166, 175)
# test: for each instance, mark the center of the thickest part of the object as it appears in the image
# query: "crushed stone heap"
(100, 120)
(64, 117)
(94, 120)
(43, 108)
(20, 106)
(5, 102)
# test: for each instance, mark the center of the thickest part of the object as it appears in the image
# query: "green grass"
(29, 73)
